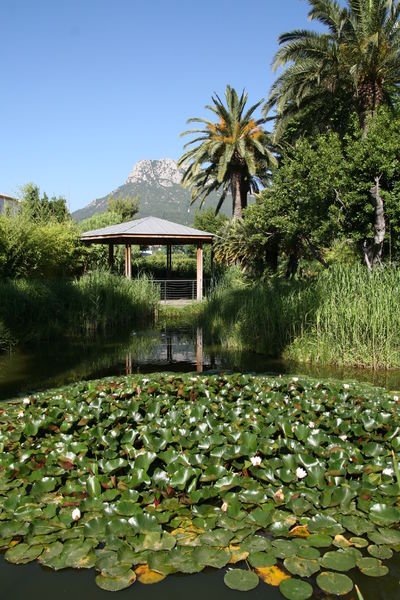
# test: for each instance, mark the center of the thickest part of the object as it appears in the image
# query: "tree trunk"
(373, 249)
(369, 97)
(292, 265)
(236, 196)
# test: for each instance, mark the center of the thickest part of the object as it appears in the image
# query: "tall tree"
(231, 155)
(355, 65)
(125, 206)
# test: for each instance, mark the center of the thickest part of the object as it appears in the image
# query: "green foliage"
(96, 255)
(353, 65)
(126, 207)
(343, 316)
(38, 249)
(38, 309)
(145, 476)
(232, 154)
(207, 220)
(42, 209)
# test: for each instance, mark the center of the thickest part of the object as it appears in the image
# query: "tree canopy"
(231, 155)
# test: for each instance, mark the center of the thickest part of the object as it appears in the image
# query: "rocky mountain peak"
(163, 172)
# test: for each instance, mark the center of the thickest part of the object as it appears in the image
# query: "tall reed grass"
(347, 316)
(31, 310)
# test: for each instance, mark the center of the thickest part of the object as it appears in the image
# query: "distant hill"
(161, 194)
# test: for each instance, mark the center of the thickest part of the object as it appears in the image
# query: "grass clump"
(346, 316)
(32, 310)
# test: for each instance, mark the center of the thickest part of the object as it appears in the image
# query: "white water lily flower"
(343, 437)
(26, 401)
(311, 424)
(20, 413)
(224, 506)
(395, 398)
(346, 386)
(295, 379)
(76, 514)
(301, 473)
(255, 461)
(388, 471)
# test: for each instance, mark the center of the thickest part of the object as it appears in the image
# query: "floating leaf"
(262, 559)
(295, 589)
(238, 579)
(147, 576)
(115, 584)
(272, 575)
(334, 583)
(372, 567)
(22, 553)
(382, 552)
(338, 561)
(304, 567)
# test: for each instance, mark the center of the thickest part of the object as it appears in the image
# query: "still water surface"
(183, 349)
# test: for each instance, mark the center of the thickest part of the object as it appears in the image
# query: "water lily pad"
(308, 552)
(147, 576)
(261, 559)
(338, 561)
(272, 575)
(372, 567)
(383, 514)
(382, 552)
(238, 579)
(296, 589)
(115, 584)
(319, 540)
(23, 553)
(334, 583)
(304, 567)
(359, 542)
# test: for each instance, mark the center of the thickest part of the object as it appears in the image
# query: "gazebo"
(151, 231)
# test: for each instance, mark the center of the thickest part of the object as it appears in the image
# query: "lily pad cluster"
(284, 481)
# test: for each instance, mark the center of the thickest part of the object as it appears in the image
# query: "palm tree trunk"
(236, 195)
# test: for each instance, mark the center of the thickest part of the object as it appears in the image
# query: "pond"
(165, 349)
(179, 349)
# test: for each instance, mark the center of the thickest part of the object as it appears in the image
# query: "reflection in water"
(173, 349)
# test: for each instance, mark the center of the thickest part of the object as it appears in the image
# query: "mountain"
(158, 184)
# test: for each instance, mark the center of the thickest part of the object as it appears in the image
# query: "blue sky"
(89, 87)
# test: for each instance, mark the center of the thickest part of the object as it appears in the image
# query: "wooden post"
(169, 261)
(111, 256)
(128, 268)
(199, 272)
(212, 264)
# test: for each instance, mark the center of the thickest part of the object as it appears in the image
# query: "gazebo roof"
(149, 230)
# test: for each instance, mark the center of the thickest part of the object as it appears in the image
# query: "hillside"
(161, 195)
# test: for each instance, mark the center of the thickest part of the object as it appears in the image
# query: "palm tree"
(355, 65)
(230, 155)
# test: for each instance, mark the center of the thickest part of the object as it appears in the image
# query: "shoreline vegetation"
(344, 316)
(39, 309)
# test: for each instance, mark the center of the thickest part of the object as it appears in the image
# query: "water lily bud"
(76, 514)
(279, 496)
(255, 461)
(301, 473)
(224, 506)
